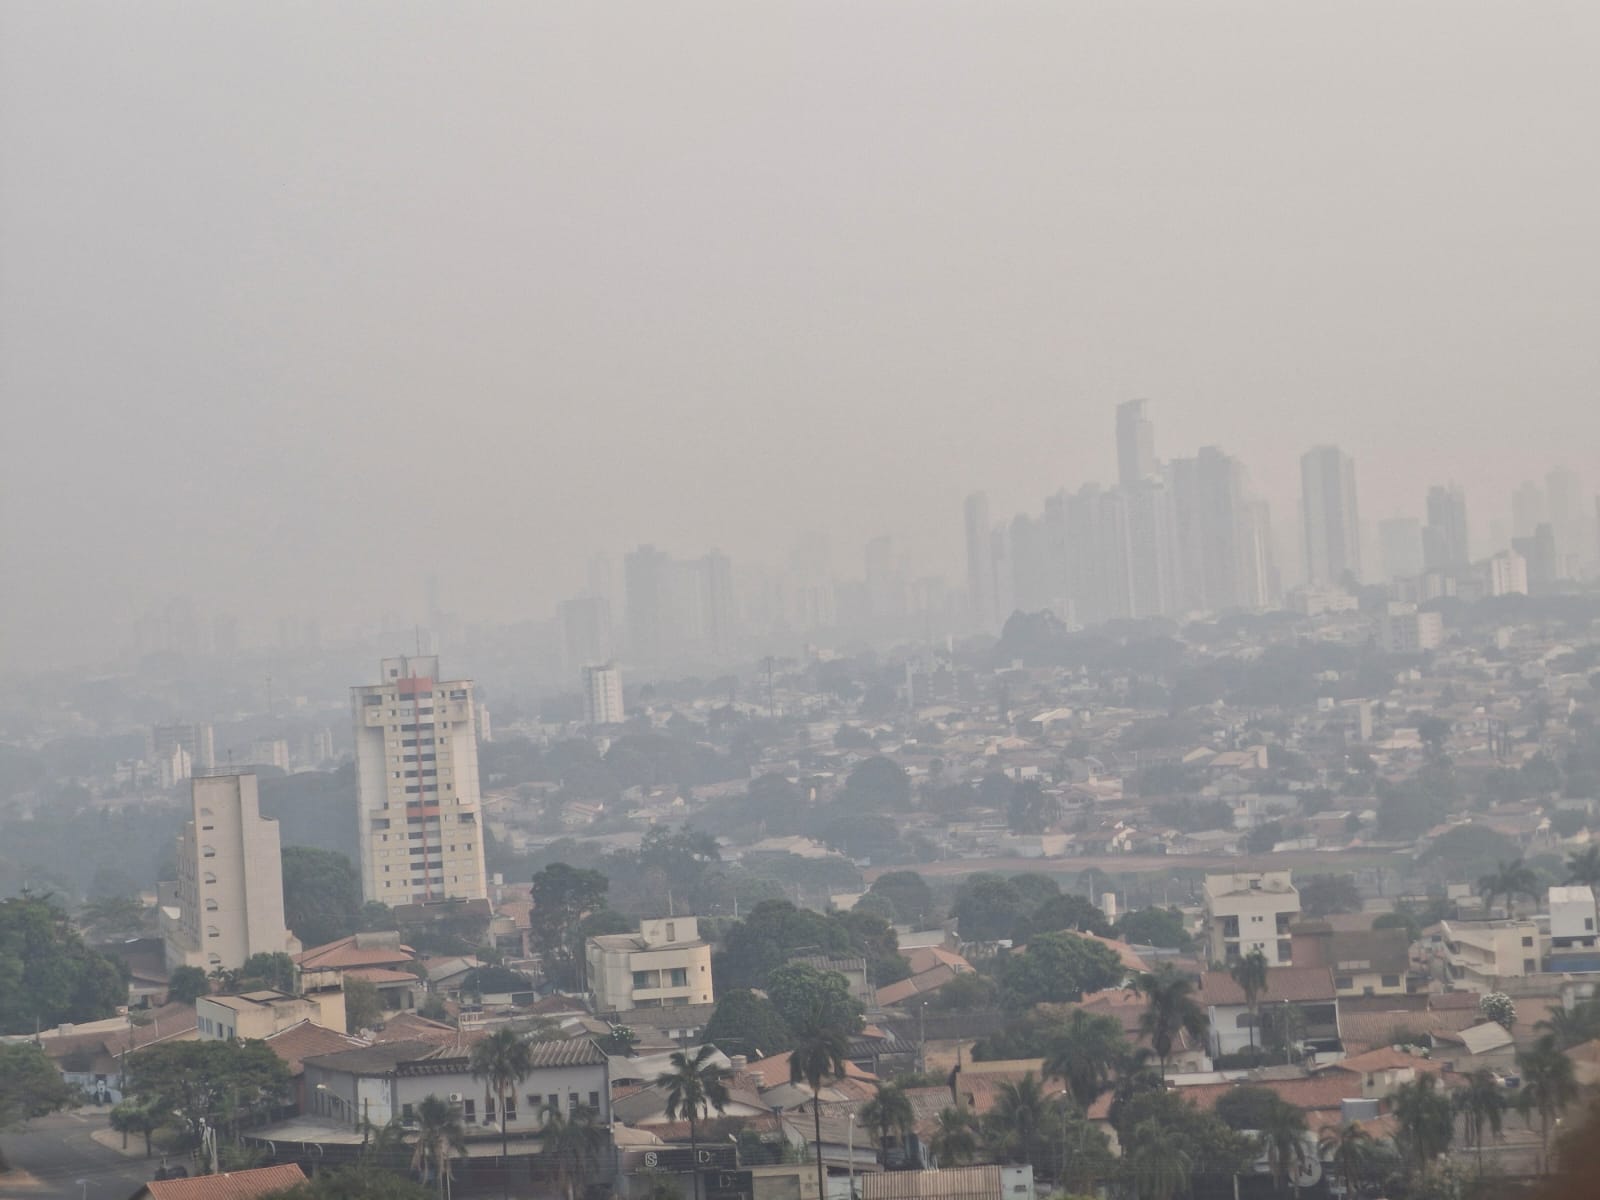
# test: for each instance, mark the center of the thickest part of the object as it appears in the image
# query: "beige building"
(417, 777)
(663, 965)
(227, 903)
(1250, 910)
(1478, 954)
(263, 1013)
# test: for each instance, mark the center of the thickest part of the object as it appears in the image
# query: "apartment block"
(417, 777)
(1251, 910)
(1479, 954)
(663, 965)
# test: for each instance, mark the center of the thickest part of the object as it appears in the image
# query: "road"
(58, 1154)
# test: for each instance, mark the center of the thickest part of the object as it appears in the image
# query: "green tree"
(1018, 1127)
(798, 991)
(1499, 1008)
(1284, 1135)
(821, 1044)
(1482, 1109)
(955, 1140)
(1170, 1011)
(321, 895)
(1250, 973)
(275, 970)
(877, 784)
(440, 1138)
(987, 907)
(1348, 1147)
(353, 1183)
(1324, 894)
(1056, 966)
(1426, 1121)
(573, 1142)
(363, 1009)
(1160, 1166)
(1508, 879)
(112, 916)
(47, 975)
(562, 897)
(694, 1086)
(1549, 1082)
(30, 1086)
(967, 992)
(217, 1083)
(1573, 1026)
(1085, 1053)
(502, 1060)
(910, 896)
(186, 985)
(1067, 911)
(1583, 868)
(1160, 927)
(1030, 808)
(131, 1117)
(761, 943)
(745, 1023)
(888, 1112)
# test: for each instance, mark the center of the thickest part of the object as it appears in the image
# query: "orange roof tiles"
(235, 1185)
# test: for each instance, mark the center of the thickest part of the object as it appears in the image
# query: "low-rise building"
(1310, 990)
(262, 1013)
(1367, 962)
(663, 965)
(1479, 954)
(1251, 910)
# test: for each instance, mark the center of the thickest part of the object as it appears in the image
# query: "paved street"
(57, 1152)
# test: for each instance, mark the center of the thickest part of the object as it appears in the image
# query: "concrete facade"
(1479, 954)
(1250, 910)
(602, 695)
(664, 965)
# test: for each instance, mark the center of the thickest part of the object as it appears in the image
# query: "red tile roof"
(302, 1041)
(234, 1185)
(1297, 984)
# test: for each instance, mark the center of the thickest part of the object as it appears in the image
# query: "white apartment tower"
(602, 695)
(1332, 519)
(417, 777)
(230, 880)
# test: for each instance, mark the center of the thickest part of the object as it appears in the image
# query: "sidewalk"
(112, 1140)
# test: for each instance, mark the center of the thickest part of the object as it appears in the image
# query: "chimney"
(738, 1061)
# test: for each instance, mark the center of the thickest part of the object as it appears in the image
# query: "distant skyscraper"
(1445, 543)
(1568, 519)
(230, 880)
(585, 631)
(1332, 520)
(1529, 509)
(420, 824)
(1400, 541)
(718, 616)
(602, 695)
(1539, 554)
(885, 577)
(1136, 444)
(646, 576)
(980, 562)
(196, 740)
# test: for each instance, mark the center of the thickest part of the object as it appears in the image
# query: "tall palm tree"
(572, 1141)
(1508, 879)
(694, 1086)
(502, 1060)
(820, 1048)
(888, 1112)
(1159, 1165)
(439, 1136)
(1170, 1010)
(1017, 1124)
(1572, 1026)
(1285, 1139)
(1584, 868)
(1250, 973)
(1482, 1109)
(1426, 1121)
(955, 1141)
(1348, 1148)
(1550, 1084)
(1085, 1053)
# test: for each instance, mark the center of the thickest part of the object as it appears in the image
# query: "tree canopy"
(47, 974)
(321, 895)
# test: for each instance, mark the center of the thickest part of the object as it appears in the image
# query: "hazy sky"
(303, 301)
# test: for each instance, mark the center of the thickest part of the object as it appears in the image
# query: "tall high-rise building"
(585, 631)
(420, 818)
(1539, 554)
(885, 578)
(229, 892)
(196, 740)
(980, 562)
(718, 614)
(1136, 444)
(1332, 519)
(1568, 519)
(1400, 542)
(1529, 509)
(602, 695)
(1445, 543)
(646, 579)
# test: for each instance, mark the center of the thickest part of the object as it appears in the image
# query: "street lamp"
(850, 1153)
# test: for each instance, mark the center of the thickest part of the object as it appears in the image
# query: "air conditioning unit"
(455, 1097)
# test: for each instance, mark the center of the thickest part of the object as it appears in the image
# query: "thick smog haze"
(303, 304)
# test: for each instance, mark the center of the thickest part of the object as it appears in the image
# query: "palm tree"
(1508, 879)
(1171, 1010)
(955, 1141)
(1348, 1148)
(1084, 1054)
(573, 1142)
(1285, 1139)
(439, 1136)
(693, 1086)
(820, 1047)
(502, 1060)
(1572, 1026)
(1250, 973)
(1426, 1120)
(1158, 1162)
(888, 1112)
(1550, 1084)
(1482, 1109)
(1017, 1121)
(1584, 868)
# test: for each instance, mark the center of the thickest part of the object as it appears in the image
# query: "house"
(1127, 1007)
(853, 969)
(1250, 910)
(382, 1082)
(1309, 989)
(1365, 962)
(263, 1012)
(90, 1055)
(230, 1185)
(665, 964)
(1382, 1071)
(304, 1040)
(1479, 954)
(950, 1183)
(1574, 941)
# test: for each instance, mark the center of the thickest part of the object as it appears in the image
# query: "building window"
(207, 852)
(572, 1101)
(1285, 951)
(1527, 941)
(469, 1110)
(678, 977)
(1343, 982)
(594, 1101)
(511, 1108)
(1529, 966)
(1391, 981)
(407, 1116)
